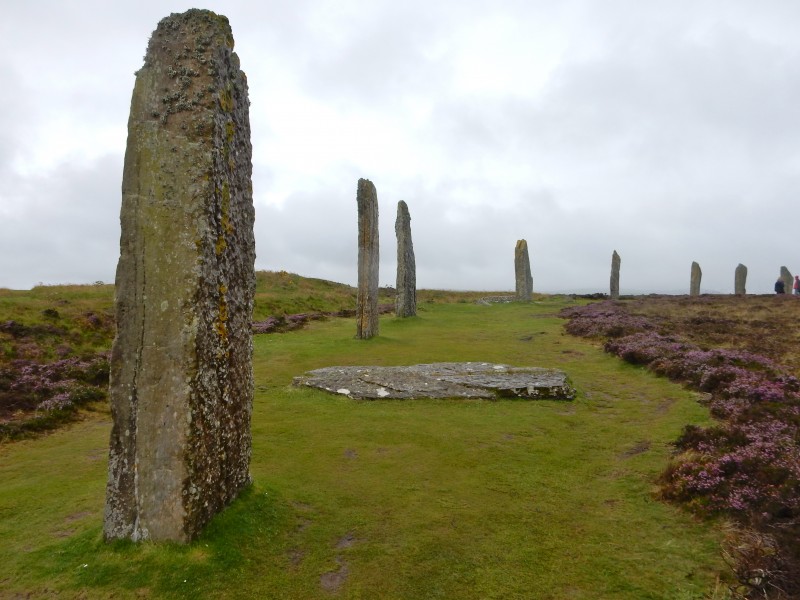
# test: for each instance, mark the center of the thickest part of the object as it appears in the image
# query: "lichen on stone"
(181, 365)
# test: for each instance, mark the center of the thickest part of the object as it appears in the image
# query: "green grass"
(282, 293)
(54, 322)
(395, 499)
(62, 315)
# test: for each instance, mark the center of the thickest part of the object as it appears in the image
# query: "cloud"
(667, 132)
(63, 226)
(375, 58)
(311, 233)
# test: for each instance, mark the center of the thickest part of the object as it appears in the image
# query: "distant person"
(796, 286)
(779, 287)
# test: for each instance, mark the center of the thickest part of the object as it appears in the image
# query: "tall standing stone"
(181, 363)
(368, 260)
(522, 271)
(694, 283)
(788, 280)
(406, 300)
(615, 263)
(740, 280)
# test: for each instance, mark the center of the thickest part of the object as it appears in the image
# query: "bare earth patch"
(333, 580)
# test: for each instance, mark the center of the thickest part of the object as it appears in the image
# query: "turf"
(395, 499)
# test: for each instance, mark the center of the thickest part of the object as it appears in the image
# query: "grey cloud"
(668, 100)
(62, 227)
(380, 62)
(667, 133)
(312, 234)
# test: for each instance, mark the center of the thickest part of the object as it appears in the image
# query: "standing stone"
(615, 263)
(788, 280)
(522, 271)
(740, 280)
(406, 300)
(368, 259)
(694, 283)
(181, 363)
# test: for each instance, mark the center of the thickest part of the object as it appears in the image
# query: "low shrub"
(603, 319)
(26, 385)
(748, 465)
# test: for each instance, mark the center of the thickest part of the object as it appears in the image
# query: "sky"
(667, 131)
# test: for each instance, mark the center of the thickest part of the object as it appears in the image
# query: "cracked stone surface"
(442, 380)
(181, 387)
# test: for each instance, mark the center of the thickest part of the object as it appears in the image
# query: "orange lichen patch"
(226, 99)
(220, 245)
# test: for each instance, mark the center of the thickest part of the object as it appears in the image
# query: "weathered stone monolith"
(368, 260)
(615, 263)
(694, 283)
(788, 280)
(522, 271)
(406, 301)
(740, 280)
(181, 363)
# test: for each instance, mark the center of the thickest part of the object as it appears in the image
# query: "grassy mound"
(54, 342)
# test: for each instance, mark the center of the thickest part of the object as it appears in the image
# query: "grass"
(281, 293)
(78, 318)
(395, 499)
(742, 353)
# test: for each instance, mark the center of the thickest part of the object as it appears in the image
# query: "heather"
(48, 394)
(603, 319)
(285, 323)
(747, 465)
(47, 386)
(54, 344)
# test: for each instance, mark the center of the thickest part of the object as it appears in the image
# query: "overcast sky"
(667, 130)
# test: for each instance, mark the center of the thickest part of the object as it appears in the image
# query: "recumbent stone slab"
(441, 380)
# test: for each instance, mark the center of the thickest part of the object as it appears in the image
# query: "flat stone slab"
(442, 380)
(495, 300)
